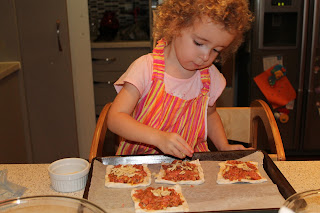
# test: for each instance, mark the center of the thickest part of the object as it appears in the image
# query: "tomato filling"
(137, 177)
(181, 170)
(233, 172)
(148, 200)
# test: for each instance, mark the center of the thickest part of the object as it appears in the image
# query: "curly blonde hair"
(175, 15)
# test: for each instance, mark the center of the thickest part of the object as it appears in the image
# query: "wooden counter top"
(6, 68)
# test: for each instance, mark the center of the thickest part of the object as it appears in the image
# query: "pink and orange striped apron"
(169, 113)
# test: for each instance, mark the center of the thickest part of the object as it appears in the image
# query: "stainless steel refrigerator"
(286, 31)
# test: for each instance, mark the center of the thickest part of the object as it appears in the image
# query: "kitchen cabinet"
(120, 32)
(120, 20)
(46, 65)
(45, 79)
(11, 118)
(109, 62)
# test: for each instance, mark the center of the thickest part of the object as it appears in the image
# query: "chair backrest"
(236, 122)
(240, 124)
(99, 134)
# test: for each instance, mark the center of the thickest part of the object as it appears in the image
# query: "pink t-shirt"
(139, 74)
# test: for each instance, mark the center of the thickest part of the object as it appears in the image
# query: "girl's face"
(199, 45)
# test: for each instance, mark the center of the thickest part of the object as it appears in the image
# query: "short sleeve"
(217, 85)
(138, 74)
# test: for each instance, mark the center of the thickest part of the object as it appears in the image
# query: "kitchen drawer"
(104, 93)
(108, 77)
(115, 59)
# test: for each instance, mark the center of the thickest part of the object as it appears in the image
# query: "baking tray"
(271, 169)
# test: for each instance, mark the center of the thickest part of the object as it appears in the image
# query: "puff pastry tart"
(127, 176)
(233, 171)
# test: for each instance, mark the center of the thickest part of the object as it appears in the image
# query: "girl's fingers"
(181, 155)
(241, 147)
(249, 148)
(182, 151)
(178, 150)
(177, 146)
(185, 148)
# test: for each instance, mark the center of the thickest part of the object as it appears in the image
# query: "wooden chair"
(243, 124)
(240, 124)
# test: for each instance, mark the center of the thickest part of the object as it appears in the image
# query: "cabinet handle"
(107, 60)
(58, 35)
(105, 82)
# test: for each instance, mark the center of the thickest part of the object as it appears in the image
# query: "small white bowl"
(69, 174)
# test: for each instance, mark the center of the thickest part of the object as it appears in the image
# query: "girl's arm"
(216, 132)
(122, 123)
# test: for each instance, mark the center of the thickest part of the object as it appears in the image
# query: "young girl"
(166, 100)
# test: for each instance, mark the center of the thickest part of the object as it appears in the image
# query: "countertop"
(35, 178)
(6, 68)
(302, 175)
(122, 44)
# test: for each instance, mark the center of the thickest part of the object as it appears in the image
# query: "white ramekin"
(69, 174)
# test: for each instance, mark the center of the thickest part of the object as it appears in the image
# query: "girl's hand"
(173, 144)
(230, 147)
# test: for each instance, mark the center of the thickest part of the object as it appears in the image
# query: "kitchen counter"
(35, 178)
(122, 44)
(6, 68)
(302, 175)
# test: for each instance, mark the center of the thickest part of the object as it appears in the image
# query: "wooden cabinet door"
(47, 78)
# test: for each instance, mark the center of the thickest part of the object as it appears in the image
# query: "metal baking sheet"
(271, 169)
